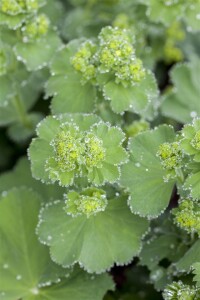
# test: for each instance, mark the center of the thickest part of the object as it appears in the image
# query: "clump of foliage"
(100, 149)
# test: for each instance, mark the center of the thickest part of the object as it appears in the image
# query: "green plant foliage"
(186, 86)
(143, 174)
(168, 11)
(88, 236)
(77, 146)
(187, 216)
(26, 268)
(180, 291)
(196, 271)
(112, 66)
(21, 176)
(99, 149)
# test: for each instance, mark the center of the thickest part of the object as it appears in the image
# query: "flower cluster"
(180, 291)
(36, 28)
(84, 61)
(117, 56)
(171, 156)
(187, 216)
(72, 152)
(14, 7)
(136, 127)
(191, 139)
(89, 202)
(174, 34)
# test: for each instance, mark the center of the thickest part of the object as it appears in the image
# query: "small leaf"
(176, 105)
(196, 271)
(88, 240)
(190, 257)
(133, 98)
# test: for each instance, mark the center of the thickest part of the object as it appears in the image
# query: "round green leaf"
(97, 242)
(143, 175)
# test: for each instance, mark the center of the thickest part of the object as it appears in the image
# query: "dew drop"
(193, 114)
(137, 165)
(5, 266)
(35, 291)
(49, 238)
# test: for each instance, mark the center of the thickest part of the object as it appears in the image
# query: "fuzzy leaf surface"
(143, 174)
(88, 240)
(182, 104)
(26, 269)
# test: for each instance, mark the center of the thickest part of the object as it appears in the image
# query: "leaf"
(37, 54)
(25, 263)
(192, 183)
(182, 104)
(134, 98)
(19, 132)
(21, 176)
(190, 257)
(196, 271)
(157, 249)
(143, 174)
(161, 12)
(97, 242)
(6, 90)
(69, 95)
(26, 269)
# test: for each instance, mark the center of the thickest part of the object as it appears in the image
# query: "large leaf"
(97, 242)
(143, 174)
(183, 104)
(26, 268)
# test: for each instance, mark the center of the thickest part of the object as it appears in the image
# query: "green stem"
(21, 112)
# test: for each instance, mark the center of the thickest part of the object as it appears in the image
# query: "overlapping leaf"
(97, 242)
(143, 174)
(182, 103)
(26, 269)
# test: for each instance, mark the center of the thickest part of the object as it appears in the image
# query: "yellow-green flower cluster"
(84, 61)
(36, 28)
(14, 7)
(187, 216)
(174, 34)
(170, 155)
(191, 139)
(136, 127)
(75, 151)
(117, 56)
(89, 202)
(180, 291)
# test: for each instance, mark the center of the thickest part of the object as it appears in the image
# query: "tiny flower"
(187, 216)
(84, 61)
(36, 28)
(89, 202)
